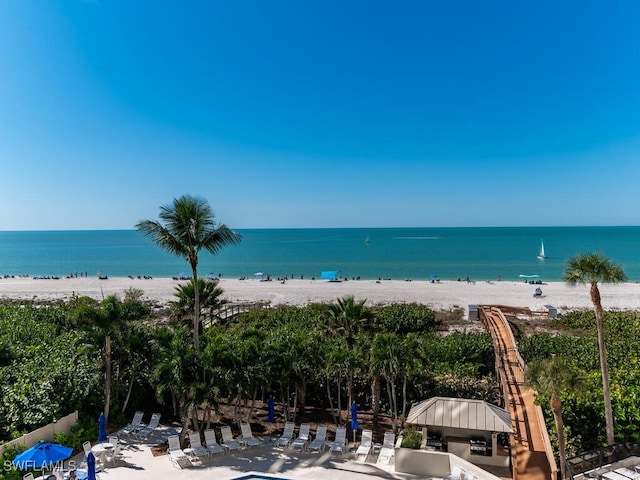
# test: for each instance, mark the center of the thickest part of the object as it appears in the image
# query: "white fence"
(44, 433)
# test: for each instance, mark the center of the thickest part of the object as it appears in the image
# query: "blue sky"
(320, 114)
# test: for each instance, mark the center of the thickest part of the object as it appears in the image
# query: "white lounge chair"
(388, 449)
(136, 424)
(287, 436)
(145, 432)
(339, 444)
(28, 476)
(212, 444)
(320, 441)
(176, 455)
(227, 439)
(197, 450)
(303, 437)
(366, 443)
(456, 473)
(247, 436)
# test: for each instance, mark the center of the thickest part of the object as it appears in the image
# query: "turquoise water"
(397, 253)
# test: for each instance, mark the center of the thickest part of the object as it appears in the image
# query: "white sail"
(542, 255)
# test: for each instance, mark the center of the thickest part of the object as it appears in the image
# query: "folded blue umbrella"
(42, 455)
(102, 428)
(91, 467)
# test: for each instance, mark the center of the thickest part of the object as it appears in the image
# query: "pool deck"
(139, 463)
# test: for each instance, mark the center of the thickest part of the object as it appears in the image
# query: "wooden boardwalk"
(532, 456)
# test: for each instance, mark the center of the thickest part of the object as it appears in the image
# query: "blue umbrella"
(91, 467)
(271, 417)
(102, 428)
(354, 419)
(42, 455)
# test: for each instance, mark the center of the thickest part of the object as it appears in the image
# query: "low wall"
(435, 464)
(43, 433)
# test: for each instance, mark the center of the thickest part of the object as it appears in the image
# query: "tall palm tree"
(593, 268)
(348, 318)
(554, 377)
(188, 227)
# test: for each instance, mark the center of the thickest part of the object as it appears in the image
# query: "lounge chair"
(176, 455)
(287, 436)
(197, 450)
(303, 437)
(212, 444)
(319, 442)
(456, 473)
(339, 444)
(366, 443)
(388, 449)
(136, 424)
(247, 436)
(28, 476)
(145, 432)
(227, 439)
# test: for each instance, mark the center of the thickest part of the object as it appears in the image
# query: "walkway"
(531, 453)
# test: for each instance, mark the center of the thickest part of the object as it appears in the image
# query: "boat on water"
(542, 256)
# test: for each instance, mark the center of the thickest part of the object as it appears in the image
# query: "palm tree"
(554, 377)
(210, 299)
(348, 318)
(593, 268)
(189, 226)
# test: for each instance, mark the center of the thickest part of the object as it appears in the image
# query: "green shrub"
(411, 439)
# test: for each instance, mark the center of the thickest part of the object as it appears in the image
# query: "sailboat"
(542, 256)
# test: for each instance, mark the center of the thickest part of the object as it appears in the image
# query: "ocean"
(368, 253)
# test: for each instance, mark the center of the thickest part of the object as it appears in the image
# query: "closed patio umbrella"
(271, 417)
(102, 428)
(354, 419)
(91, 467)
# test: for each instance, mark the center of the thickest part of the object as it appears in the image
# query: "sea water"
(368, 253)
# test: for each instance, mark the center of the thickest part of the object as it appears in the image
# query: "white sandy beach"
(443, 295)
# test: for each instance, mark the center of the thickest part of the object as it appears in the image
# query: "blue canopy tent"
(331, 275)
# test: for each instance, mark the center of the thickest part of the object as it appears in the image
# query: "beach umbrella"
(91, 467)
(271, 417)
(102, 428)
(354, 419)
(42, 455)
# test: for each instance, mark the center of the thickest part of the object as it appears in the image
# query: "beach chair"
(212, 444)
(176, 455)
(227, 439)
(388, 449)
(301, 442)
(366, 443)
(287, 436)
(136, 424)
(145, 432)
(247, 436)
(197, 450)
(456, 473)
(339, 444)
(320, 440)
(28, 476)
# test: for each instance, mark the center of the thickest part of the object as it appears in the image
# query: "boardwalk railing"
(231, 310)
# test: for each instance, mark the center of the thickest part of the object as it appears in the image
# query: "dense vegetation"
(577, 341)
(53, 361)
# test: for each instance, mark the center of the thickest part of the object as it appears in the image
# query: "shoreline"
(442, 295)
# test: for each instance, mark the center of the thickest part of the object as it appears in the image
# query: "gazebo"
(464, 427)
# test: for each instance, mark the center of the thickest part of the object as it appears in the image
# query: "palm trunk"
(129, 390)
(333, 412)
(107, 376)
(375, 398)
(606, 389)
(196, 310)
(556, 408)
(404, 400)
